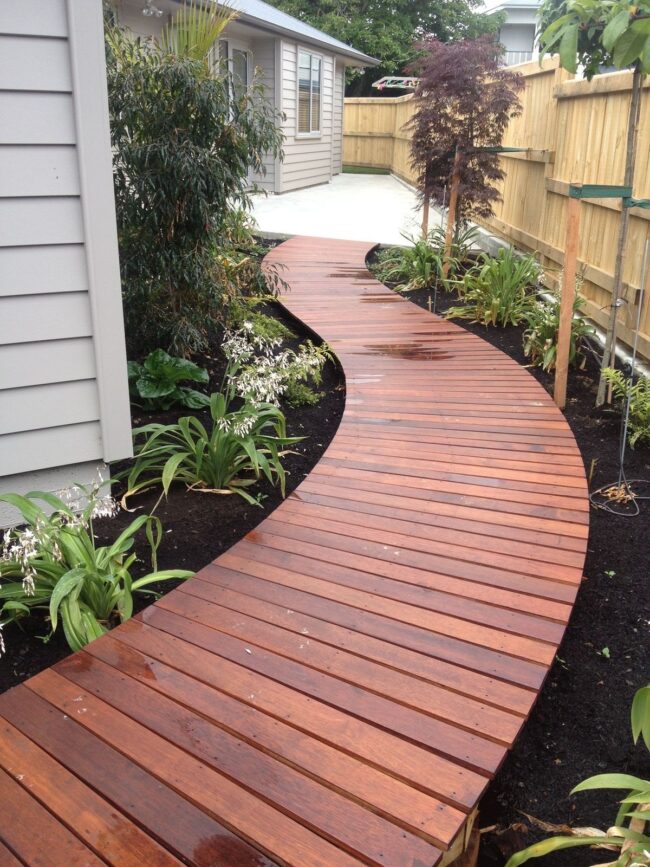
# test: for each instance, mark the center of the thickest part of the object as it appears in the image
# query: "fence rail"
(575, 132)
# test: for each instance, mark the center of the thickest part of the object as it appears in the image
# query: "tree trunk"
(609, 357)
(451, 213)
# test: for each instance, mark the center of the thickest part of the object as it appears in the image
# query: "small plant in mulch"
(628, 835)
(53, 563)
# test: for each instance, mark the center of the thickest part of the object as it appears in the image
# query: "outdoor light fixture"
(151, 11)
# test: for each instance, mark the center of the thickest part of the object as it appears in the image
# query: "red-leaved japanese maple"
(465, 99)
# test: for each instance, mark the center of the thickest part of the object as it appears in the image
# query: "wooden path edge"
(339, 686)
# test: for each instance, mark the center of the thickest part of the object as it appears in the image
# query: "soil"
(580, 725)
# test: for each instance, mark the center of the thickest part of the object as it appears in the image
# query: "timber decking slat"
(450, 649)
(100, 826)
(194, 780)
(193, 835)
(340, 685)
(34, 835)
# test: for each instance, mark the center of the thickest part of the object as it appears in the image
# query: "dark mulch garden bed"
(581, 723)
(197, 527)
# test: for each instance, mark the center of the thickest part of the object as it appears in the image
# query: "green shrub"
(418, 266)
(540, 337)
(183, 143)
(242, 445)
(497, 290)
(156, 382)
(634, 809)
(54, 564)
(639, 395)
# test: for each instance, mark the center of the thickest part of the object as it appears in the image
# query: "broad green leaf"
(616, 27)
(638, 797)
(70, 581)
(554, 844)
(645, 57)
(163, 575)
(628, 48)
(640, 715)
(30, 512)
(170, 469)
(152, 388)
(569, 48)
(612, 781)
(193, 399)
(641, 25)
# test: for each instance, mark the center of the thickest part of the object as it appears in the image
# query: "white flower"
(105, 507)
(29, 587)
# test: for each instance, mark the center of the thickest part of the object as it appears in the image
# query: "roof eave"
(355, 58)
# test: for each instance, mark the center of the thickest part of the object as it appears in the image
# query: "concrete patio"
(351, 207)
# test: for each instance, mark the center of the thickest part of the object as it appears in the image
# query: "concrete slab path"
(351, 207)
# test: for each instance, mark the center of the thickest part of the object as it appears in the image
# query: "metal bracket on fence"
(599, 191)
(629, 202)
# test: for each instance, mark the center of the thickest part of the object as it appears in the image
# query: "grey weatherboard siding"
(64, 406)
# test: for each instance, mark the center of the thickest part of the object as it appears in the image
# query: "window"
(309, 90)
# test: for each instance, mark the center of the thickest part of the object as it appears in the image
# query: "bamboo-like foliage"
(195, 28)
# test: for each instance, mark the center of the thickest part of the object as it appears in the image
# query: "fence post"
(566, 301)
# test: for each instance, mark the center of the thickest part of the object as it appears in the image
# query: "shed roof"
(267, 17)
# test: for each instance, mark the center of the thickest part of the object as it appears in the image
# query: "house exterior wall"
(307, 158)
(64, 405)
(263, 60)
(337, 118)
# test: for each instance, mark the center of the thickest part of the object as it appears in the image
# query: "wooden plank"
(275, 833)
(34, 18)
(38, 170)
(347, 824)
(314, 705)
(34, 835)
(192, 835)
(100, 827)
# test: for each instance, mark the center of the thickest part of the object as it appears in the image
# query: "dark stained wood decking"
(340, 686)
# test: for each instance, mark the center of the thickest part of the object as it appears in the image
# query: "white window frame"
(301, 49)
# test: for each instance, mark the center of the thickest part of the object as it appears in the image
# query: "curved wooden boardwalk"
(339, 687)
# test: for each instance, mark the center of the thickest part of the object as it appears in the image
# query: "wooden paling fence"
(575, 132)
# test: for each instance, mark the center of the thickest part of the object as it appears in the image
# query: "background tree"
(183, 142)
(388, 31)
(464, 101)
(595, 34)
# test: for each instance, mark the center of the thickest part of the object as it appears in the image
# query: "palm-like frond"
(195, 28)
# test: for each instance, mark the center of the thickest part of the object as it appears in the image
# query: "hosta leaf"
(151, 388)
(192, 399)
